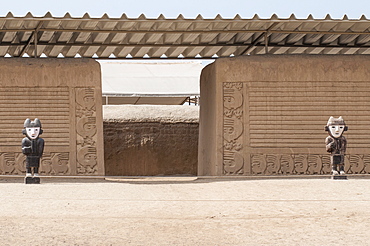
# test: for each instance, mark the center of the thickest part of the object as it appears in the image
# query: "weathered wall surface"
(65, 94)
(150, 140)
(265, 115)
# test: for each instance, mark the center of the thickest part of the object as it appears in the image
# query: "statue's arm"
(26, 147)
(330, 144)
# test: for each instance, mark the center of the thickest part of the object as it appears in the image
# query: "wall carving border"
(233, 160)
(270, 164)
(86, 130)
(51, 163)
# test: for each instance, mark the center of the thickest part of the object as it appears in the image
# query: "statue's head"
(32, 129)
(336, 126)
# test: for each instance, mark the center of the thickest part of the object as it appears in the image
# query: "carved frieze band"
(270, 164)
(51, 164)
(86, 131)
(233, 161)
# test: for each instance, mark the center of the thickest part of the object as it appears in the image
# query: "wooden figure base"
(32, 180)
(338, 177)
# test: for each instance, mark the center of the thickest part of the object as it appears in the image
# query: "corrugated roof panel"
(329, 38)
(192, 52)
(279, 50)
(123, 52)
(363, 39)
(349, 51)
(99, 37)
(157, 52)
(189, 37)
(70, 51)
(171, 38)
(89, 51)
(293, 38)
(65, 37)
(364, 51)
(45, 36)
(314, 51)
(227, 51)
(210, 51)
(54, 52)
(175, 52)
(3, 51)
(153, 38)
(278, 37)
(118, 37)
(140, 51)
(135, 38)
(226, 38)
(333, 51)
(8, 37)
(105, 51)
(242, 37)
(347, 39)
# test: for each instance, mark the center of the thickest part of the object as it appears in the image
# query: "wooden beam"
(69, 45)
(186, 31)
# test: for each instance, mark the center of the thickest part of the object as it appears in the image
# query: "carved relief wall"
(265, 131)
(70, 114)
(273, 114)
(86, 131)
(233, 160)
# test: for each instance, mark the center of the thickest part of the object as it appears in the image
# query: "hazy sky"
(190, 8)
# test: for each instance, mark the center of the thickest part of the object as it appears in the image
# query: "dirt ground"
(185, 211)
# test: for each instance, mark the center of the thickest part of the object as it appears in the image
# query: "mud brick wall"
(150, 148)
(265, 115)
(65, 94)
(138, 147)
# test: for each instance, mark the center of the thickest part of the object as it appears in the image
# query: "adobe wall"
(265, 115)
(150, 140)
(65, 94)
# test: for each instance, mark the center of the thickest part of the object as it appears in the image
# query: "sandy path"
(201, 212)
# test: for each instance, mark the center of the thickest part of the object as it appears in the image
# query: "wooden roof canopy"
(142, 37)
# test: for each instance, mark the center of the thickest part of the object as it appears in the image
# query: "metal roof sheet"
(143, 37)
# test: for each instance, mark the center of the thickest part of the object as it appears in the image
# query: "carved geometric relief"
(314, 164)
(367, 164)
(272, 164)
(286, 164)
(51, 163)
(258, 163)
(86, 131)
(233, 161)
(356, 163)
(300, 164)
(55, 164)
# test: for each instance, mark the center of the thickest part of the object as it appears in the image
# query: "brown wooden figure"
(336, 143)
(33, 148)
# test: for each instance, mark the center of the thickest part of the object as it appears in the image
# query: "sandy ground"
(184, 211)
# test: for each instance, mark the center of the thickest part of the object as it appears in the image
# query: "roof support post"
(257, 40)
(35, 42)
(35, 39)
(266, 43)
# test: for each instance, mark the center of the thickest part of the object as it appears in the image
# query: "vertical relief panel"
(233, 160)
(86, 131)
